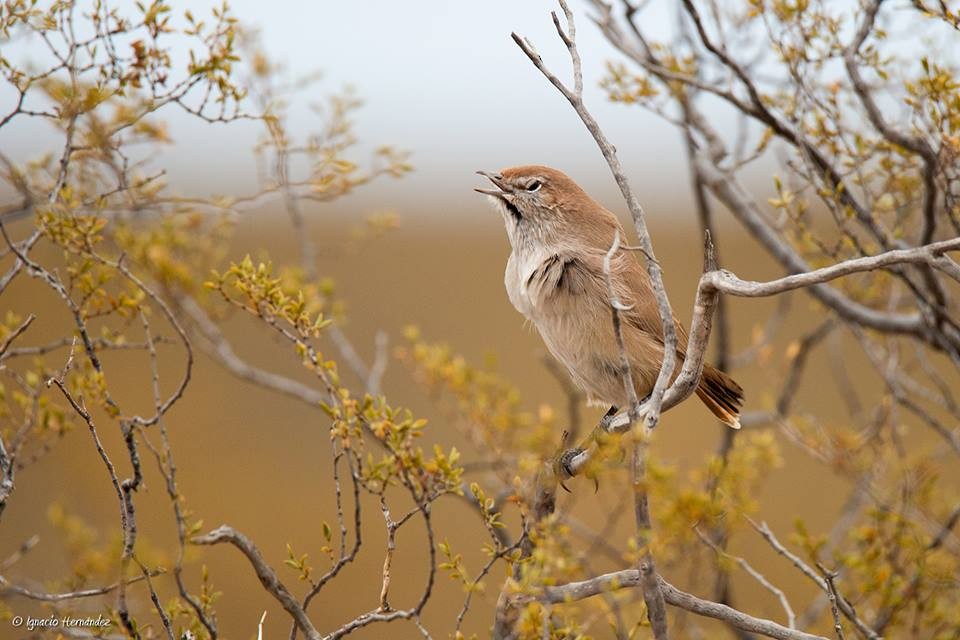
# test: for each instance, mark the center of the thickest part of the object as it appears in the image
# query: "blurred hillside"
(260, 462)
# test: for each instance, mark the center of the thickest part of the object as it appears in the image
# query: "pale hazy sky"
(443, 79)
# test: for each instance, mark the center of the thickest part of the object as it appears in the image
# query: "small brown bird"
(555, 278)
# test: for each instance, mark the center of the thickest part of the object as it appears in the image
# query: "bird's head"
(540, 202)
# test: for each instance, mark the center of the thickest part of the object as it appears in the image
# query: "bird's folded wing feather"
(635, 290)
(564, 279)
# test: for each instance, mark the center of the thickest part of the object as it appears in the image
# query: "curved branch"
(573, 591)
(931, 254)
(714, 282)
(268, 577)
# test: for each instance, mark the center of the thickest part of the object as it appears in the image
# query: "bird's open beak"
(503, 189)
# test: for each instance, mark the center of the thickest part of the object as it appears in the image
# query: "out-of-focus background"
(450, 86)
(444, 80)
(260, 462)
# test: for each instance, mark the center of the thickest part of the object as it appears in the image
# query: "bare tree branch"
(626, 578)
(756, 575)
(268, 578)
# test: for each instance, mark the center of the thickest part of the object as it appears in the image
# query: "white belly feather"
(520, 267)
(574, 328)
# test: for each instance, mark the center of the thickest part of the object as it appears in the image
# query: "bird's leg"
(607, 418)
(564, 461)
(561, 462)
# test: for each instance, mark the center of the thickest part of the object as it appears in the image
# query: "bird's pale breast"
(575, 326)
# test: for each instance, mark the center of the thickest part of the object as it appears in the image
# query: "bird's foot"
(566, 466)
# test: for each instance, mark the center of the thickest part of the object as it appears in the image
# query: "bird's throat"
(514, 212)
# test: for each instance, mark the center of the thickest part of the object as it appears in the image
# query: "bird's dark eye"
(533, 186)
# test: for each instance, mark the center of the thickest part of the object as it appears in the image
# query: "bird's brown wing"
(645, 313)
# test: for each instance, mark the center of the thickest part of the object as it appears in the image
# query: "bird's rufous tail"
(722, 395)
